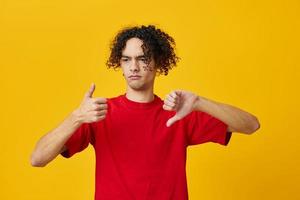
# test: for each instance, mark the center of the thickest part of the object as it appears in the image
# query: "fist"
(180, 101)
(92, 109)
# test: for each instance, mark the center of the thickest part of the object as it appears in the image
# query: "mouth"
(134, 77)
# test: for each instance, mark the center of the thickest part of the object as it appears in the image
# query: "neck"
(142, 96)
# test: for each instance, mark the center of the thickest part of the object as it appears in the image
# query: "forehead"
(133, 47)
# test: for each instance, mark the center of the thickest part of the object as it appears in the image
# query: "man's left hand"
(183, 102)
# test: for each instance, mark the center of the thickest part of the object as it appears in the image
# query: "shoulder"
(114, 99)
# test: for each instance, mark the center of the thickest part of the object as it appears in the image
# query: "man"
(140, 141)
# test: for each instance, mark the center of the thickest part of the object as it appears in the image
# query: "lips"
(134, 77)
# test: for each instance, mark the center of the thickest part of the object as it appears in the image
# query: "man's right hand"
(91, 109)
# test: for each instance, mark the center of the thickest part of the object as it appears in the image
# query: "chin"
(137, 86)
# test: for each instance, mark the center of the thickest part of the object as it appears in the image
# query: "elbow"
(254, 126)
(36, 161)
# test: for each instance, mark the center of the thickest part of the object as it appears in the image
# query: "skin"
(184, 102)
(52, 143)
(94, 109)
(181, 101)
(133, 63)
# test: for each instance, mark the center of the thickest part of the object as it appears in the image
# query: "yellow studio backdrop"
(244, 53)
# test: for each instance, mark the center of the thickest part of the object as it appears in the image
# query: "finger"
(91, 91)
(174, 94)
(99, 113)
(98, 118)
(92, 114)
(168, 96)
(169, 103)
(172, 120)
(101, 106)
(178, 93)
(172, 99)
(167, 107)
(100, 100)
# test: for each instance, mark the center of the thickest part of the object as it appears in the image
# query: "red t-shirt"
(137, 156)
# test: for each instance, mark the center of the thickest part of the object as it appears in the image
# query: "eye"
(143, 59)
(124, 59)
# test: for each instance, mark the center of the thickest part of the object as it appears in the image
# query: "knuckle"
(102, 100)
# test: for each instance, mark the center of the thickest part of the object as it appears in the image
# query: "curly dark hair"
(156, 44)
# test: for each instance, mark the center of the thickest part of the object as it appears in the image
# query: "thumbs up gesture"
(92, 109)
(183, 102)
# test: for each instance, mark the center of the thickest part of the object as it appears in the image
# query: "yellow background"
(244, 53)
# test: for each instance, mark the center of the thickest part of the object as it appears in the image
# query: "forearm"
(237, 119)
(51, 144)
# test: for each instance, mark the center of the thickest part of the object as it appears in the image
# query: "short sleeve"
(79, 140)
(202, 128)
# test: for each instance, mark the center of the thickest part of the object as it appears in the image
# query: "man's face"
(138, 75)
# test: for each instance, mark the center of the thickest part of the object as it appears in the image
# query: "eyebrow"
(139, 56)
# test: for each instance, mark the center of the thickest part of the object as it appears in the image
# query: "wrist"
(76, 117)
(198, 103)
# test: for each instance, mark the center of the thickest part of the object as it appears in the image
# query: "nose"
(134, 67)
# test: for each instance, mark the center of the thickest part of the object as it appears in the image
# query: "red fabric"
(137, 156)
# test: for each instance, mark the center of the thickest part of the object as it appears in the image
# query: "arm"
(184, 102)
(53, 143)
(236, 119)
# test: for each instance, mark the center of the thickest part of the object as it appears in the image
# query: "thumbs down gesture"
(183, 102)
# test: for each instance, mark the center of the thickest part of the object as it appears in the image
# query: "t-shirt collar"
(140, 105)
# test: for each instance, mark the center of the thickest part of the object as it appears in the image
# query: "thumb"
(172, 120)
(89, 93)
